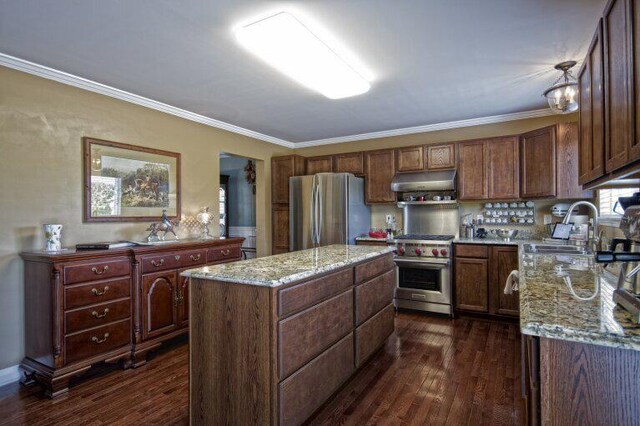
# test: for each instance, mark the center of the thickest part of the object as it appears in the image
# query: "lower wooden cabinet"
(159, 303)
(480, 276)
(279, 228)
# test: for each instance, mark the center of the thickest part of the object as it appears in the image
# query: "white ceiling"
(433, 61)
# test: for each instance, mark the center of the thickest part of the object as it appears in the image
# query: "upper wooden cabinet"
(410, 159)
(323, 164)
(379, 169)
(591, 113)
(282, 168)
(566, 163)
(440, 156)
(349, 163)
(538, 162)
(472, 172)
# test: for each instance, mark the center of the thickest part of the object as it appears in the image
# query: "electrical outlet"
(547, 219)
(388, 218)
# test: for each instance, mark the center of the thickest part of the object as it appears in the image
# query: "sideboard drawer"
(81, 319)
(372, 334)
(374, 295)
(96, 271)
(97, 340)
(368, 270)
(300, 296)
(193, 258)
(218, 254)
(305, 335)
(306, 390)
(103, 291)
(161, 263)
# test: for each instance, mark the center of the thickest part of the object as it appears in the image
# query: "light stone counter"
(548, 309)
(496, 241)
(273, 271)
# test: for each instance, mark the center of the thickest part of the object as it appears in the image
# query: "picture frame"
(129, 183)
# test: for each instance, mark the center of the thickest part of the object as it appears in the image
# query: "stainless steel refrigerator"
(326, 208)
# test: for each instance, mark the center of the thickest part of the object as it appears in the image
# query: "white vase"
(52, 237)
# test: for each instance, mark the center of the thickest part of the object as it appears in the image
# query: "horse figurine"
(165, 225)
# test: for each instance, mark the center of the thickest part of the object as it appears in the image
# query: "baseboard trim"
(9, 375)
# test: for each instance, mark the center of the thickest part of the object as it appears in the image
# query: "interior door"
(159, 303)
(332, 208)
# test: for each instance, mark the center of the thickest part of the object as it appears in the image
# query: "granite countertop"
(372, 239)
(274, 271)
(496, 241)
(548, 309)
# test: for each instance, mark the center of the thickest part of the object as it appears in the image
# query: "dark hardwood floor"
(432, 371)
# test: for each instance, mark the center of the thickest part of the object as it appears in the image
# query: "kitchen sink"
(555, 249)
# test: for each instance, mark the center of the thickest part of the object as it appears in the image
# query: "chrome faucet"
(595, 239)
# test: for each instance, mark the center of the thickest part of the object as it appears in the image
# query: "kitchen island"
(271, 339)
(580, 358)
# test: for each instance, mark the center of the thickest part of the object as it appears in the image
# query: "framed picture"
(128, 183)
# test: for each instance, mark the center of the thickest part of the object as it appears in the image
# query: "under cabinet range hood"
(442, 180)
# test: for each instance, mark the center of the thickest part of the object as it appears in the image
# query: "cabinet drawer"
(161, 263)
(305, 391)
(298, 297)
(218, 254)
(373, 333)
(97, 340)
(96, 271)
(193, 258)
(374, 267)
(470, 250)
(305, 335)
(103, 291)
(96, 315)
(374, 295)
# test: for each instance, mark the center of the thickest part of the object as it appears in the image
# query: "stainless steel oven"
(424, 284)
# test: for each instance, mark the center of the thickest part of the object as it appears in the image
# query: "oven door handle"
(435, 263)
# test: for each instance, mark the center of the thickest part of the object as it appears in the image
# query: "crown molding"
(83, 83)
(430, 127)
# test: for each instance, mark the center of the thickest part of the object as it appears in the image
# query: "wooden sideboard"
(86, 307)
(287, 349)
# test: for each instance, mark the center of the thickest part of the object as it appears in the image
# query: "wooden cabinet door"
(618, 67)
(567, 186)
(379, 171)
(322, 164)
(591, 113)
(349, 163)
(503, 260)
(280, 227)
(472, 284)
(183, 299)
(635, 41)
(472, 171)
(282, 168)
(159, 313)
(410, 159)
(440, 156)
(538, 163)
(503, 168)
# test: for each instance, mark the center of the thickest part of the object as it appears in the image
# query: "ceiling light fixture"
(288, 45)
(563, 95)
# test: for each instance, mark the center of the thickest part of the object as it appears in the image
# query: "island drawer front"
(374, 295)
(470, 250)
(374, 267)
(305, 335)
(308, 388)
(103, 291)
(193, 258)
(301, 296)
(161, 263)
(97, 340)
(96, 315)
(218, 254)
(95, 271)
(373, 333)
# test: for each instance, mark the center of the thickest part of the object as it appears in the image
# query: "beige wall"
(41, 126)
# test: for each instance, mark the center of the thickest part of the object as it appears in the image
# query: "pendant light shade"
(563, 95)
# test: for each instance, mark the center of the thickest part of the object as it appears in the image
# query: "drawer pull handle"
(195, 258)
(225, 252)
(177, 256)
(97, 341)
(97, 292)
(97, 272)
(102, 315)
(156, 264)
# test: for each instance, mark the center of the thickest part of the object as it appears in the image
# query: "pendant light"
(563, 95)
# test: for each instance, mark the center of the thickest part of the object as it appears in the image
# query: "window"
(607, 199)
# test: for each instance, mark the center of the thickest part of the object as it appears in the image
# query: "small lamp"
(204, 217)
